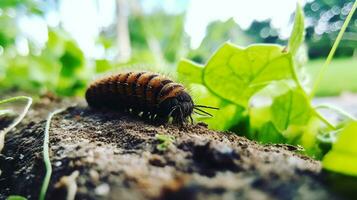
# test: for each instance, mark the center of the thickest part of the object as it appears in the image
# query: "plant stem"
(46, 157)
(18, 120)
(333, 50)
(297, 79)
(340, 111)
(324, 120)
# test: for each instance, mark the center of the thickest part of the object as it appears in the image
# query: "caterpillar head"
(179, 107)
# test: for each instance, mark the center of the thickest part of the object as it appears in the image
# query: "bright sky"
(201, 12)
(84, 18)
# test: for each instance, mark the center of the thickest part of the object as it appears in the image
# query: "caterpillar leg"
(191, 119)
(160, 119)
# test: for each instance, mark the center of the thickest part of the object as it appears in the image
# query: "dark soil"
(117, 158)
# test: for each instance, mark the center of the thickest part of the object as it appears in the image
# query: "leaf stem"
(46, 157)
(296, 78)
(339, 110)
(333, 50)
(324, 120)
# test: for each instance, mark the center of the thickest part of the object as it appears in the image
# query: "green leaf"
(236, 74)
(262, 129)
(72, 59)
(164, 138)
(190, 71)
(102, 65)
(220, 121)
(9, 3)
(343, 156)
(290, 108)
(16, 197)
(165, 141)
(269, 134)
(56, 41)
(297, 34)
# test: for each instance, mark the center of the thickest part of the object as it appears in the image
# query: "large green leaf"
(72, 59)
(297, 35)
(343, 156)
(236, 74)
(269, 134)
(290, 108)
(261, 127)
(220, 121)
(190, 71)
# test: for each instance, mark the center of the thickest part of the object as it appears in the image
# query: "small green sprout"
(16, 197)
(46, 155)
(165, 141)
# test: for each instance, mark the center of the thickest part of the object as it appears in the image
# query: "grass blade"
(46, 156)
(333, 50)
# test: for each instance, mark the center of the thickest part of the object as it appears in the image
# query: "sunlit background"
(59, 45)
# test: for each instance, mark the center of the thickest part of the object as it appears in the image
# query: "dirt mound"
(117, 158)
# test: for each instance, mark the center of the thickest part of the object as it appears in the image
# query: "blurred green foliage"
(158, 42)
(264, 32)
(217, 33)
(343, 156)
(59, 66)
(162, 34)
(339, 77)
(325, 19)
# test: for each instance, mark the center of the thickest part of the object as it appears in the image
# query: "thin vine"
(46, 156)
(333, 50)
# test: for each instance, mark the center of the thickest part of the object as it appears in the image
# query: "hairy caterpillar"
(146, 94)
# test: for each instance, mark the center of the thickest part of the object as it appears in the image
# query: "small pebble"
(202, 124)
(102, 189)
(116, 151)
(224, 149)
(58, 163)
(157, 160)
(9, 158)
(94, 175)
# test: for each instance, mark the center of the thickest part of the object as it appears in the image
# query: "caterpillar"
(145, 94)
